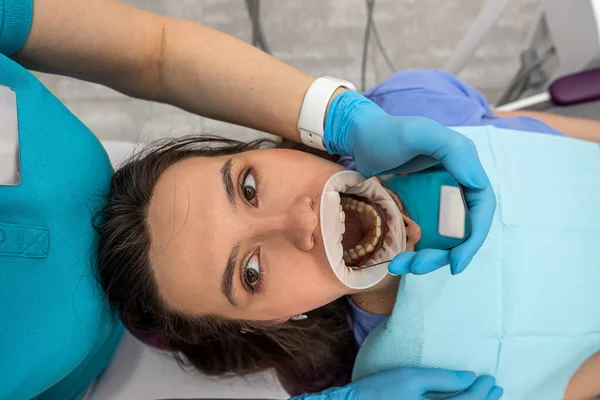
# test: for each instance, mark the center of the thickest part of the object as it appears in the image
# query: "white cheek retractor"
(333, 227)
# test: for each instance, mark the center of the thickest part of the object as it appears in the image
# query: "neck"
(380, 298)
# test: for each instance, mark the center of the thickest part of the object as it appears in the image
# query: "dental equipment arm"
(412, 384)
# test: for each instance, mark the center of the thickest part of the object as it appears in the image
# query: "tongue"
(357, 226)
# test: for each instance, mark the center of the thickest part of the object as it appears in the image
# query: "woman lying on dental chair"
(57, 332)
(215, 250)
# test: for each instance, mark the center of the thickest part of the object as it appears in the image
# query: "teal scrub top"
(57, 333)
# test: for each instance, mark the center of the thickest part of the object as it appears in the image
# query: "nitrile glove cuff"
(336, 393)
(345, 111)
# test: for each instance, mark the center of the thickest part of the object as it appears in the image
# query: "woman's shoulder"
(432, 94)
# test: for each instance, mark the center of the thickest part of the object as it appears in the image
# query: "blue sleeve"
(442, 97)
(363, 322)
(15, 24)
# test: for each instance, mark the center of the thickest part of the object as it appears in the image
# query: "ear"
(413, 232)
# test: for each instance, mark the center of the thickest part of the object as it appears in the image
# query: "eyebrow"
(228, 182)
(227, 279)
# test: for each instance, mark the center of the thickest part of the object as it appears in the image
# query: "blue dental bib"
(526, 309)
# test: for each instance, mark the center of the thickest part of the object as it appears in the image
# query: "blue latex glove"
(382, 144)
(412, 384)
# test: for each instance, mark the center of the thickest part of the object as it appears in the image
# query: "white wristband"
(312, 115)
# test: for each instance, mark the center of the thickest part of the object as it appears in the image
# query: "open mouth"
(364, 229)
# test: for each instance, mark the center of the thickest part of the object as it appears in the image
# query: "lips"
(350, 209)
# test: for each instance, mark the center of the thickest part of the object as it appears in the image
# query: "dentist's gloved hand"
(412, 384)
(383, 144)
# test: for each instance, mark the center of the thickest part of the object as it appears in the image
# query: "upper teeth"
(367, 245)
(358, 206)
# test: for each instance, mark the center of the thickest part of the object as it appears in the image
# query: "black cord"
(381, 47)
(253, 7)
(259, 39)
(363, 71)
(259, 27)
(258, 36)
(372, 27)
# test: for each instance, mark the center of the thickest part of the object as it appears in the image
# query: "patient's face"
(239, 236)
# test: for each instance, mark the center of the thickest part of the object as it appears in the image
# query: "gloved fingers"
(420, 263)
(457, 152)
(481, 204)
(418, 163)
(426, 380)
(400, 265)
(484, 388)
(460, 158)
(496, 393)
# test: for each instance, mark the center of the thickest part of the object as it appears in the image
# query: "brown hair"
(308, 355)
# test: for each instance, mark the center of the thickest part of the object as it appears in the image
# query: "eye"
(252, 271)
(249, 187)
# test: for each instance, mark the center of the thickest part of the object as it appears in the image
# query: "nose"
(296, 223)
(413, 232)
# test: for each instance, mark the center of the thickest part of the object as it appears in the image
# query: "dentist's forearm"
(102, 41)
(167, 60)
(213, 74)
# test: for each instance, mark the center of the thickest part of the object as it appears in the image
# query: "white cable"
(526, 102)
